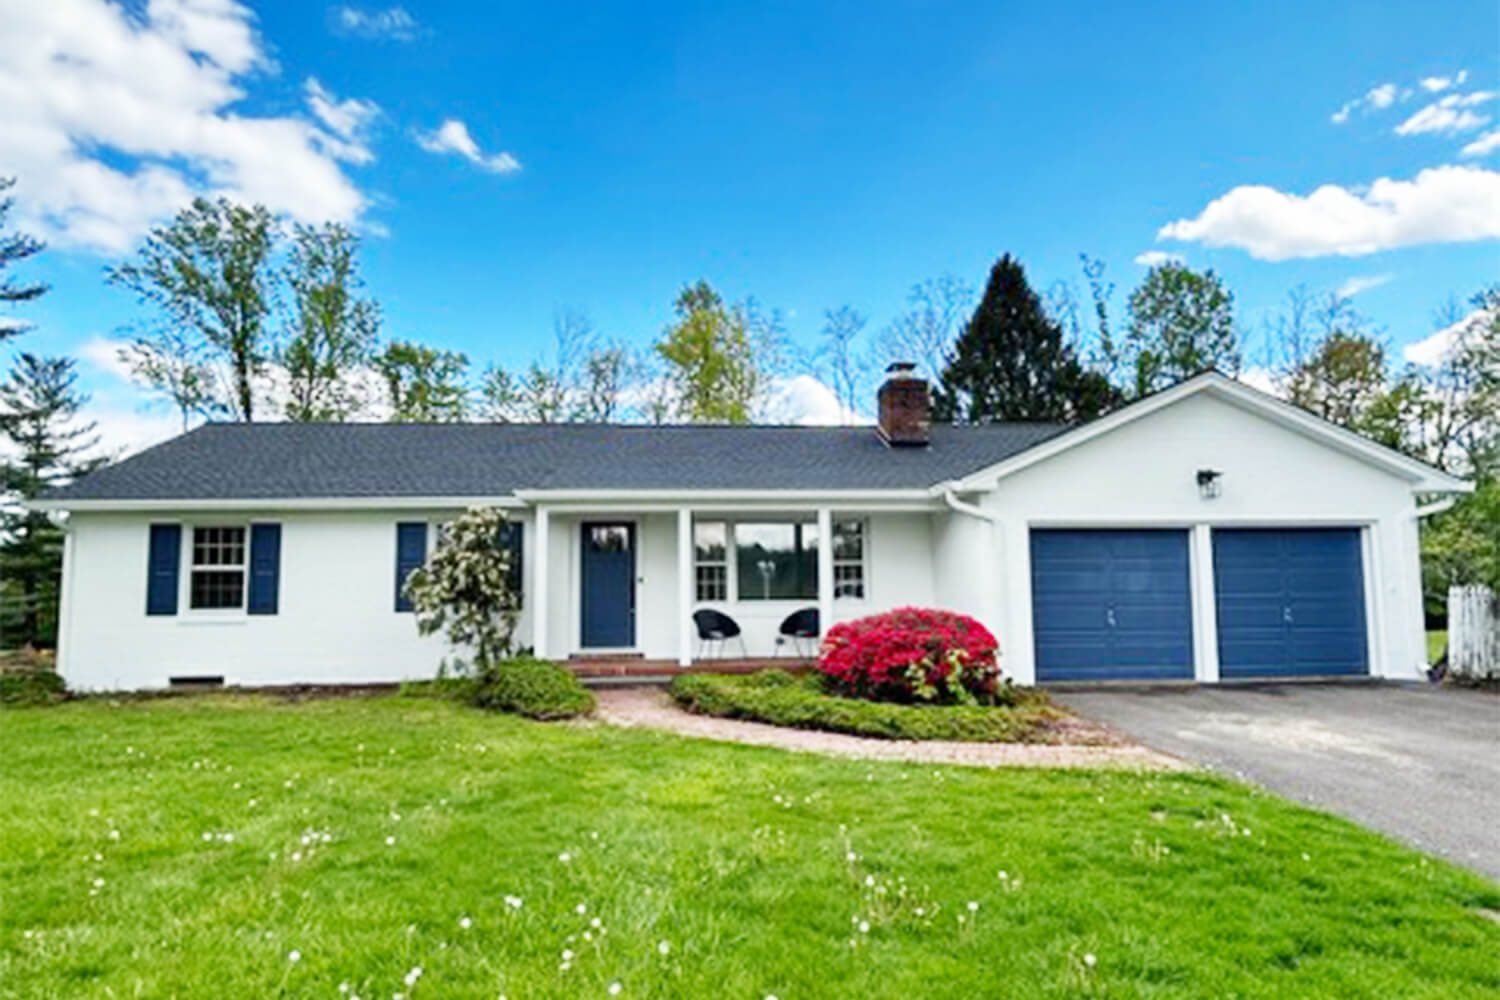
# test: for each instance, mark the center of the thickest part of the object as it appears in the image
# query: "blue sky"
(811, 155)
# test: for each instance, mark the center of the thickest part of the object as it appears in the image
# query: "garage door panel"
(1110, 605)
(1290, 602)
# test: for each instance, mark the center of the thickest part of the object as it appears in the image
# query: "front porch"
(614, 588)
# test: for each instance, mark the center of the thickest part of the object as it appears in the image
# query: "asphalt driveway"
(1421, 764)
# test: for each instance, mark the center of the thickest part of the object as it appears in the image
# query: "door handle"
(1286, 614)
(1109, 616)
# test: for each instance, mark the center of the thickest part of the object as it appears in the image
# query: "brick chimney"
(905, 407)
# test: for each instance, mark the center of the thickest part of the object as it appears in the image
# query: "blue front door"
(1291, 602)
(1111, 605)
(608, 585)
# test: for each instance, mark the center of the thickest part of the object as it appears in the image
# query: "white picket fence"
(1473, 632)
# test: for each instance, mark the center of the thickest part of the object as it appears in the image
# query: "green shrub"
(781, 699)
(31, 686)
(533, 688)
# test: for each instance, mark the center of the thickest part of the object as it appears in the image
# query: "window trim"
(731, 560)
(187, 569)
(724, 564)
(863, 562)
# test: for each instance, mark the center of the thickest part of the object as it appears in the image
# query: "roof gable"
(1423, 478)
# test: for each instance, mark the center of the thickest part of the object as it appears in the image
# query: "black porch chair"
(801, 627)
(715, 626)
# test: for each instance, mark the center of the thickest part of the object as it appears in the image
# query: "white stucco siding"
(336, 622)
(1143, 474)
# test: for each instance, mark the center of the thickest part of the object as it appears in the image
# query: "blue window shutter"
(411, 552)
(265, 568)
(161, 572)
(510, 539)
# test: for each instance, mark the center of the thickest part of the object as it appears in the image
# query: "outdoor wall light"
(1210, 483)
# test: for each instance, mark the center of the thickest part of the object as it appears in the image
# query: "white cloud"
(1361, 283)
(453, 137)
(1433, 84)
(112, 120)
(1374, 99)
(349, 121)
(803, 399)
(1435, 348)
(1446, 204)
(1483, 145)
(1449, 116)
(1156, 258)
(393, 23)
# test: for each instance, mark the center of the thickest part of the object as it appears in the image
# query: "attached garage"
(1111, 605)
(1290, 602)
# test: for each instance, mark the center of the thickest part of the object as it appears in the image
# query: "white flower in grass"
(614, 989)
(466, 923)
(565, 857)
(514, 902)
(1089, 959)
(207, 836)
(973, 906)
(98, 883)
(851, 857)
(869, 880)
(581, 909)
(114, 835)
(390, 842)
(296, 855)
(343, 987)
(294, 956)
(228, 838)
(864, 927)
(594, 923)
(412, 976)
(663, 947)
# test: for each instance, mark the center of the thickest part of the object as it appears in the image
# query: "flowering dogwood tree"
(464, 591)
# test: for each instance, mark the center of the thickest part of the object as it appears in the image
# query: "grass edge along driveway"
(242, 846)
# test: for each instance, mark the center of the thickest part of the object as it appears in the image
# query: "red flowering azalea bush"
(914, 654)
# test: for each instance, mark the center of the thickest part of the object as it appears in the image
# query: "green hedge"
(31, 686)
(533, 688)
(783, 699)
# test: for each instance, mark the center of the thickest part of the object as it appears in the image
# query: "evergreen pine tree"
(1011, 362)
(39, 409)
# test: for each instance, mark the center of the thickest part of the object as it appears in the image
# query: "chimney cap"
(900, 367)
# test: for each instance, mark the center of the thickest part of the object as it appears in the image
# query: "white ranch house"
(1207, 532)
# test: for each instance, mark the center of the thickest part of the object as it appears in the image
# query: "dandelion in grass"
(615, 988)
(565, 857)
(294, 956)
(411, 977)
(581, 909)
(390, 842)
(864, 927)
(114, 835)
(663, 947)
(567, 955)
(973, 906)
(1090, 960)
(465, 923)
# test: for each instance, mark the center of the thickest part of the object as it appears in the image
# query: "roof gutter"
(1436, 507)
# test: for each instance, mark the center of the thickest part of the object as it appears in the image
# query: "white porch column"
(825, 569)
(539, 584)
(684, 586)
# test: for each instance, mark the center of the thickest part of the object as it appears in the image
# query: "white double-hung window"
(217, 573)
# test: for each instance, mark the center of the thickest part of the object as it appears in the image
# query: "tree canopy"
(1011, 362)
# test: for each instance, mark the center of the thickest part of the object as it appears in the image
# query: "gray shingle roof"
(291, 461)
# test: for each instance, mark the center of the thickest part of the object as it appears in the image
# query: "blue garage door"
(1290, 602)
(1111, 605)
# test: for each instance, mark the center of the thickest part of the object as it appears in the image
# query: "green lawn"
(190, 847)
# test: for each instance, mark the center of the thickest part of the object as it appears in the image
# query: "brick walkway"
(652, 708)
